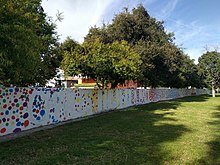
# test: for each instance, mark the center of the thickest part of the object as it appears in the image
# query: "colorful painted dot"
(3, 130)
(26, 123)
(42, 112)
(16, 130)
(5, 106)
(25, 115)
(18, 124)
(25, 104)
(6, 112)
(16, 89)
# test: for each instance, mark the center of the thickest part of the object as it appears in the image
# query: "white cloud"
(187, 32)
(79, 15)
(193, 36)
(167, 10)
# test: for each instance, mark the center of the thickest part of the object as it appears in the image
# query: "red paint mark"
(3, 130)
(5, 106)
(26, 123)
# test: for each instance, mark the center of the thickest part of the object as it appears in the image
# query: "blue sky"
(196, 23)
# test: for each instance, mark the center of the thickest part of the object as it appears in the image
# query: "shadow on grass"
(217, 95)
(135, 136)
(201, 98)
(213, 155)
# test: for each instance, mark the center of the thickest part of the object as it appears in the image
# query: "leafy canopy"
(209, 67)
(106, 63)
(163, 63)
(27, 43)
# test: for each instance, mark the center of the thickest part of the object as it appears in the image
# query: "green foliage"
(163, 63)
(68, 45)
(106, 63)
(190, 71)
(27, 43)
(209, 68)
(132, 27)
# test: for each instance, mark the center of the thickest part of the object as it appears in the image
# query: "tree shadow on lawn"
(201, 98)
(213, 155)
(134, 136)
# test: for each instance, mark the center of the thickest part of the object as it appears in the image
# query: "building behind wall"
(60, 80)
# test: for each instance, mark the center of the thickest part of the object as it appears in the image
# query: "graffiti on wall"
(27, 108)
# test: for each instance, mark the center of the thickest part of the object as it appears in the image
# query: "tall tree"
(106, 63)
(161, 58)
(27, 43)
(209, 65)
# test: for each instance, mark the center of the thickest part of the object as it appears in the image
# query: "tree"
(132, 27)
(106, 63)
(190, 72)
(161, 58)
(209, 65)
(27, 43)
(68, 45)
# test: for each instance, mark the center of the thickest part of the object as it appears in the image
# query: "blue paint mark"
(18, 124)
(38, 118)
(42, 112)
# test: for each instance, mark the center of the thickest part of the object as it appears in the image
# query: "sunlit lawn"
(182, 131)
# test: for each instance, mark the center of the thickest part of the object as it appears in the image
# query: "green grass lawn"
(182, 131)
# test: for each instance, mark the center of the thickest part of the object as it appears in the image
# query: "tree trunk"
(213, 90)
